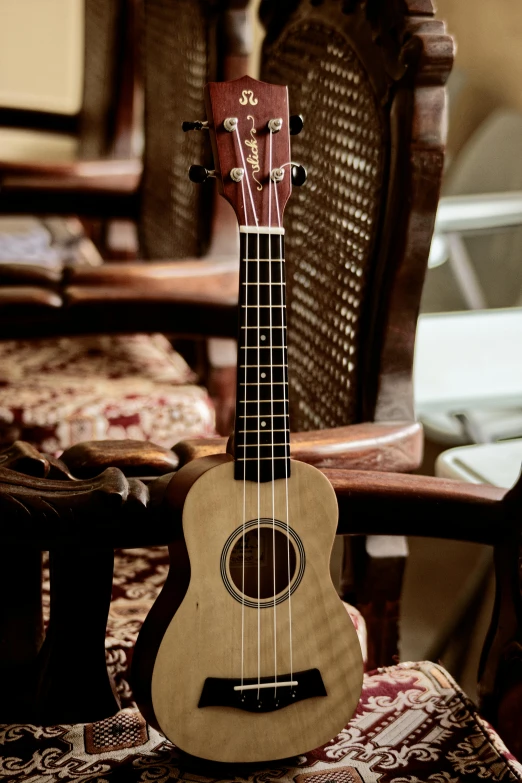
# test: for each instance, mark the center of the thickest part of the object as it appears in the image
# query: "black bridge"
(264, 695)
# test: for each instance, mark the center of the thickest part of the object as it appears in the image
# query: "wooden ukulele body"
(204, 626)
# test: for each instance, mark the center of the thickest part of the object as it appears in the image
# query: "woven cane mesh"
(330, 222)
(175, 212)
(101, 48)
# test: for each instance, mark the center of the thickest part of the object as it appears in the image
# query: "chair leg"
(21, 629)
(372, 580)
(73, 684)
(500, 669)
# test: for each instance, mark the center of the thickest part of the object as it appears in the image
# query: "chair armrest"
(29, 274)
(117, 512)
(383, 446)
(374, 503)
(478, 212)
(393, 446)
(132, 457)
(24, 458)
(98, 512)
(38, 120)
(183, 297)
(17, 296)
(115, 176)
(88, 188)
(197, 276)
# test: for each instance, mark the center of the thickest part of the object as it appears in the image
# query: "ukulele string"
(245, 359)
(258, 482)
(287, 434)
(271, 371)
(238, 139)
(247, 177)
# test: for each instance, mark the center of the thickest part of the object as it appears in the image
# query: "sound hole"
(258, 550)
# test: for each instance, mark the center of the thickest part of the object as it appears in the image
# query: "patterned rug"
(413, 724)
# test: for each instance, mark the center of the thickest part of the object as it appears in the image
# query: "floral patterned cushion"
(58, 392)
(413, 724)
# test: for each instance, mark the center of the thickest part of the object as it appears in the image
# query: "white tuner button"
(230, 124)
(237, 174)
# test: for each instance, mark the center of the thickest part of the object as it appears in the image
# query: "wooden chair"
(370, 84)
(91, 516)
(106, 126)
(179, 56)
(412, 720)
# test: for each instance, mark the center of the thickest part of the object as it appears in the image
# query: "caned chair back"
(368, 79)
(179, 57)
(111, 67)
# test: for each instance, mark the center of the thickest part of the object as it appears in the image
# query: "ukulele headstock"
(250, 131)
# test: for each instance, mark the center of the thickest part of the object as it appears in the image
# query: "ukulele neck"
(262, 427)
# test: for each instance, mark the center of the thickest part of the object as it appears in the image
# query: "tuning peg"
(296, 124)
(199, 174)
(197, 125)
(299, 175)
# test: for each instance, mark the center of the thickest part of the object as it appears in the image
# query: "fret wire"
(255, 416)
(260, 283)
(269, 400)
(264, 383)
(285, 429)
(260, 445)
(250, 366)
(256, 306)
(248, 459)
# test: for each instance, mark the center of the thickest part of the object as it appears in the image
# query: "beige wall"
(489, 52)
(41, 54)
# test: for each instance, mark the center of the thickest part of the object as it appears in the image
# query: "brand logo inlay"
(247, 96)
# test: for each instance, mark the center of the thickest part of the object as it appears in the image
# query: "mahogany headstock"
(250, 131)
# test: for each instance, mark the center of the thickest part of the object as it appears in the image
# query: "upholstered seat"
(413, 724)
(55, 393)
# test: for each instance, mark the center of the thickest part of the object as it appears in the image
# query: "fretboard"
(262, 429)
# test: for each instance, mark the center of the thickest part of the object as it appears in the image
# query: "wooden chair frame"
(199, 297)
(81, 521)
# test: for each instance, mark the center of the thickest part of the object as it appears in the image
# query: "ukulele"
(248, 654)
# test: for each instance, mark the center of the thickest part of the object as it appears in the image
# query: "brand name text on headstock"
(253, 157)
